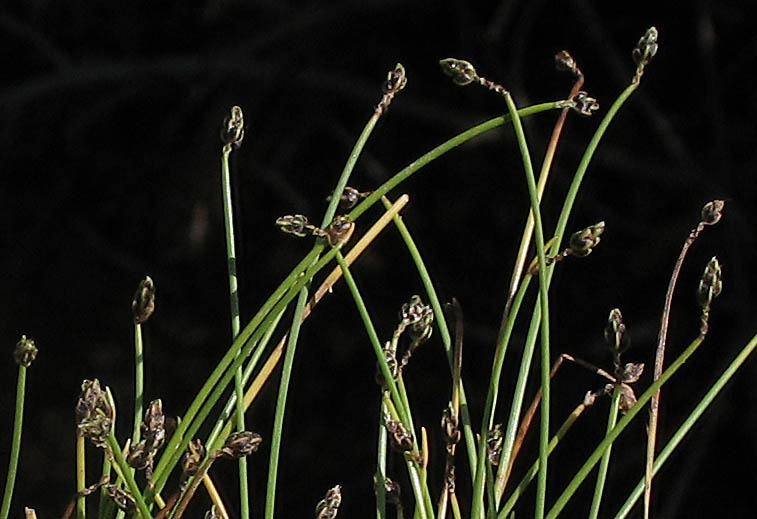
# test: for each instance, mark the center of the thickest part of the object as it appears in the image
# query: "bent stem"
(18, 423)
(595, 456)
(686, 426)
(441, 323)
(231, 259)
(541, 489)
(604, 465)
(178, 441)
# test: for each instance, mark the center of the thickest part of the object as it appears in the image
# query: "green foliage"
(491, 448)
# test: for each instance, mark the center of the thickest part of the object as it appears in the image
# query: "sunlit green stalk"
(441, 323)
(124, 472)
(278, 421)
(595, 456)
(686, 426)
(612, 419)
(380, 478)
(81, 476)
(560, 231)
(534, 469)
(18, 423)
(178, 441)
(541, 488)
(231, 258)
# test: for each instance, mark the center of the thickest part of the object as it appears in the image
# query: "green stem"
(139, 381)
(131, 484)
(612, 419)
(560, 232)
(441, 323)
(396, 397)
(18, 423)
(223, 426)
(81, 476)
(178, 442)
(508, 442)
(380, 481)
(686, 426)
(594, 458)
(231, 257)
(443, 148)
(541, 488)
(278, 421)
(534, 469)
(105, 506)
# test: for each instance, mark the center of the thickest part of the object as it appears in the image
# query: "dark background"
(109, 153)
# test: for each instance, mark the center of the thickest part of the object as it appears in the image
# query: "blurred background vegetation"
(109, 150)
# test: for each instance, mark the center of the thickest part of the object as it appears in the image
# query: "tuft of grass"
(136, 473)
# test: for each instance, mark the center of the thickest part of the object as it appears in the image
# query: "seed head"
(190, 464)
(328, 507)
(296, 224)
(25, 352)
(711, 283)
(395, 80)
(143, 304)
(712, 212)
(615, 333)
(402, 440)
(340, 230)
(461, 71)
(646, 49)
(583, 104)
(564, 62)
(494, 444)
(418, 317)
(232, 131)
(240, 444)
(121, 498)
(94, 413)
(583, 242)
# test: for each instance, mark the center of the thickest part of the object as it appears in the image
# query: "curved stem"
(686, 426)
(231, 258)
(595, 456)
(612, 419)
(18, 423)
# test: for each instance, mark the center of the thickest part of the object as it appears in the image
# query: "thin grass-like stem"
(81, 476)
(541, 489)
(688, 423)
(179, 440)
(231, 259)
(18, 424)
(534, 469)
(612, 419)
(380, 477)
(278, 420)
(124, 471)
(597, 454)
(441, 323)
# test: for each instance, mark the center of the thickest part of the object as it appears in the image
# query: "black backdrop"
(109, 149)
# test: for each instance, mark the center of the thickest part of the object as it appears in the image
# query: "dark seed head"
(240, 444)
(25, 352)
(583, 242)
(461, 71)
(143, 304)
(340, 230)
(232, 131)
(328, 507)
(395, 80)
(646, 49)
(712, 212)
(192, 460)
(711, 283)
